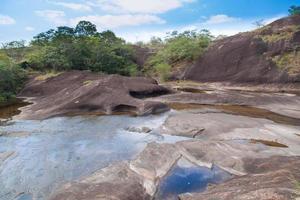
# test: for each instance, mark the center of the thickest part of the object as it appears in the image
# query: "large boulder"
(266, 55)
(79, 92)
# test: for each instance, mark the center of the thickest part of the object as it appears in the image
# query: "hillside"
(267, 55)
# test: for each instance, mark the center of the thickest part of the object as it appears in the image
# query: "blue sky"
(137, 20)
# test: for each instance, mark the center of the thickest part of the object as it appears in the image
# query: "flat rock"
(116, 182)
(5, 155)
(80, 92)
(154, 163)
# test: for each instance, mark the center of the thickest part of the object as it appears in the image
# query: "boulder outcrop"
(266, 55)
(78, 92)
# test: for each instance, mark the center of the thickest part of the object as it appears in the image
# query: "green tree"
(15, 50)
(12, 78)
(177, 48)
(85, 28)
(82, 48)
(294, 10)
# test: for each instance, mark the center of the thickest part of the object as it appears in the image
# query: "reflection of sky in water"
(186, 177)
(63, 149)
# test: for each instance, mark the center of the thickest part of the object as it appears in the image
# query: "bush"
(82, 49)
(12, 78)
(294, 10)
(177, 48)
(163, 70)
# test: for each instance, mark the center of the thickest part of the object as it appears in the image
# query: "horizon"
(135, 22)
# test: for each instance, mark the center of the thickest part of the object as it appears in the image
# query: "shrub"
(163, 70)
(178, 48)
(12, 78)
(294, 10)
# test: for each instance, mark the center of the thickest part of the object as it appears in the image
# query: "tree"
(64, 33)
(15, 50)
(294, 10)
(259, 23)
(85, 28)
(43, 38)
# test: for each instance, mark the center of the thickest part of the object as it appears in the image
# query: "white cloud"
(29, 28)
(55, 16)
(74, 6)
(6, 20)
(138, 6)
(115, 21)
(220, 19)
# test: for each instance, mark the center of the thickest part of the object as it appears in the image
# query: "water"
(63, 149)
(186, 177)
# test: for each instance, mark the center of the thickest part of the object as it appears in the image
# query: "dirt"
(79, 92)
(269, 143)
(249, 57)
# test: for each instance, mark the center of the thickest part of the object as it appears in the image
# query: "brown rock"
(78, 92)
(246, 57)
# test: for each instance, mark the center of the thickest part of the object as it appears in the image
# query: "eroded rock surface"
(78, 92)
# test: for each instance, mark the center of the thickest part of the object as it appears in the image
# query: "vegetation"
(176, 48)
(285, 34)
(82, 48)
(289, 62)
(294, 10)
(12, 78)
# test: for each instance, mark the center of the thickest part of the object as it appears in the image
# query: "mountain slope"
(267, 55)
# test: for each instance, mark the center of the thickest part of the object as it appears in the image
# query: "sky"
(137, 20)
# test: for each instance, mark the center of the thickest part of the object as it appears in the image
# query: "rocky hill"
(267, 55)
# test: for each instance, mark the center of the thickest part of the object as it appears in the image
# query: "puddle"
(63, 149)
(269, 143)
(186, 177)
(7, 112)
(241, 110)
(190, 90)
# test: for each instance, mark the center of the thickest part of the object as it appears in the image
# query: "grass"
(47, 75)
(88, 82)
(297, 184)
(285, 34)
(289, 62)
(269, 143)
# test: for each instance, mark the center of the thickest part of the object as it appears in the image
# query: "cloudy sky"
(137, 20)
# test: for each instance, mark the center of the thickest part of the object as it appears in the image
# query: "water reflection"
(186, 177)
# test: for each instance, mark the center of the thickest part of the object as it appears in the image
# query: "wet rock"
(275, 106)
(15, 134)
(139, 130)
(5, 155)
(116, 182)
(80, 92)
(272, 178)
(154, 163)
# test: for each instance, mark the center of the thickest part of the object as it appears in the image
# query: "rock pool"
(63, 149)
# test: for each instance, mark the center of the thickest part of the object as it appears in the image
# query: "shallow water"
(63, 149)
(6, 112)
(240, 110)
(186, 177)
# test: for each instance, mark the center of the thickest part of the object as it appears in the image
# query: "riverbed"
(38, 157)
